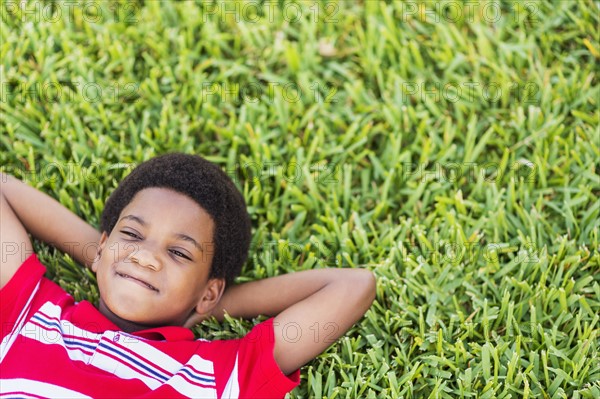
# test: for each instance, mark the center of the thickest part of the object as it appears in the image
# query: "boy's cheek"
(117, 250)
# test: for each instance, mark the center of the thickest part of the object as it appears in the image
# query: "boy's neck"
(124, 325)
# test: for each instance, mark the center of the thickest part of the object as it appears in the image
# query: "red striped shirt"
(51, 346)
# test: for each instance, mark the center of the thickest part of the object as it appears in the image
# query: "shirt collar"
(168, 333)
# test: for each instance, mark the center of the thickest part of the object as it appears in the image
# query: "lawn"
(452, 148)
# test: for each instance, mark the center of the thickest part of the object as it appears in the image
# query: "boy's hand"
(313, 309)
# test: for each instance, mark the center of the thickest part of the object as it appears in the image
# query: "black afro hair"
(206, 184)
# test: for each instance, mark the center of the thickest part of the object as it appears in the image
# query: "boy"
(174, 235)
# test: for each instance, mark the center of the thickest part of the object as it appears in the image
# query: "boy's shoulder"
(26, 289)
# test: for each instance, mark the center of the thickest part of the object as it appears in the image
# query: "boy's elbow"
(371, 282)
(4, 182)
(365, 284)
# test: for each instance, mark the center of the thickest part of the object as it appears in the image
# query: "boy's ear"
(101, 245)
(210, 298)
(212, 295)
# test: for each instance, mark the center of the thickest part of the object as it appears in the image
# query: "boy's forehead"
(168, 208)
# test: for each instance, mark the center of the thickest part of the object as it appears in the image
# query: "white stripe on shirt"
(21, 387)
(9, 339)
(232, 389)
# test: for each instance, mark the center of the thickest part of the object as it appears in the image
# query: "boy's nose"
(145, 258)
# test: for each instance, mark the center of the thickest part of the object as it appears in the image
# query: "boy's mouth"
(138, 281)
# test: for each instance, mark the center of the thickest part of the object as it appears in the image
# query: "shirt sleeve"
(16, 296)
(259, 375)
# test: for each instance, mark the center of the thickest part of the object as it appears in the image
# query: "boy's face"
(153, 268)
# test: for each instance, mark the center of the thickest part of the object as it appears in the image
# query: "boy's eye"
(130, 234)
(179, 254)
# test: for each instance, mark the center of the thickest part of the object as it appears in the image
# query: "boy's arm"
(14, 241)
(313, 309)
(44, 218)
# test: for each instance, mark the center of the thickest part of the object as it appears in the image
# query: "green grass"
(342, 123)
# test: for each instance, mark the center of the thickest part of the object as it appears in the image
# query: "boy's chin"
(123, 318)
(133, 321)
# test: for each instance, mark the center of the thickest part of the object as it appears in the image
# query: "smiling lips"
(138, 281)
